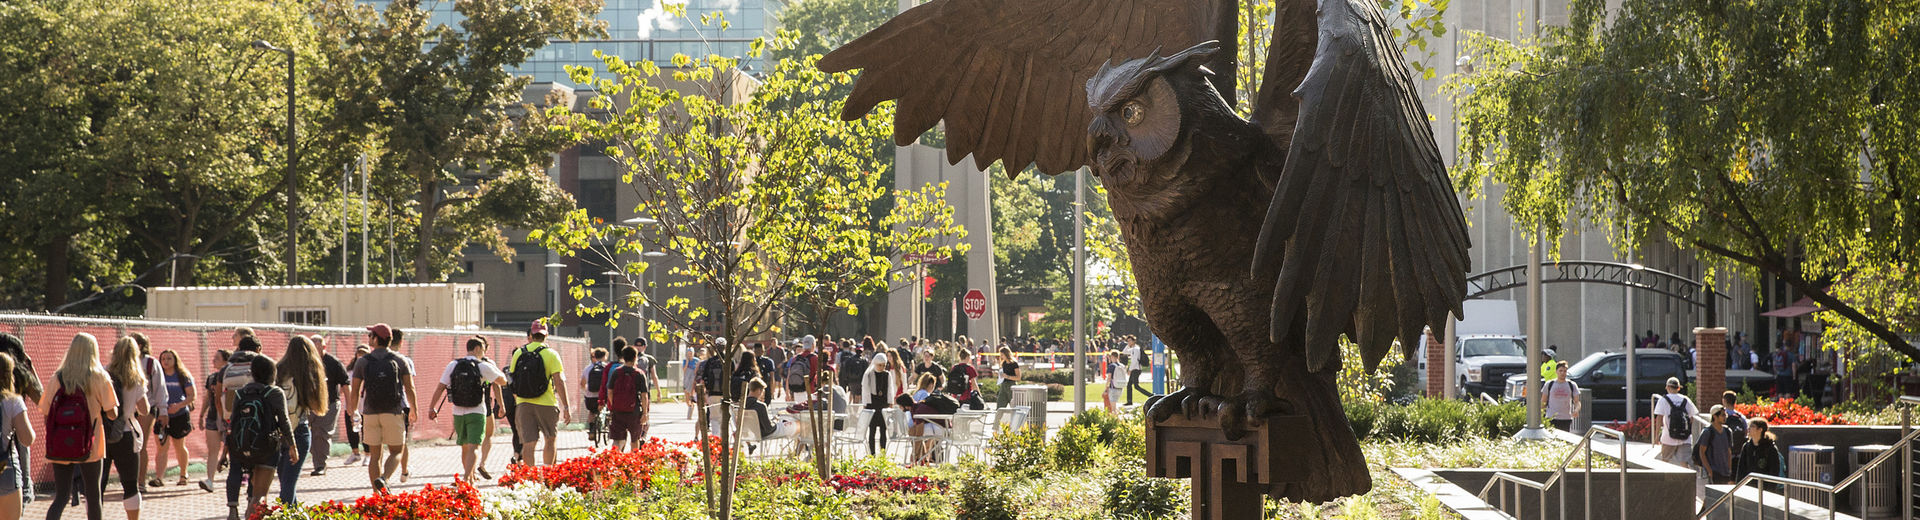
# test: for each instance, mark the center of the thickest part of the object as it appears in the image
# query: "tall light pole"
(553, 287)
(293, 157)
(1079, 290)
(652, 276)
(612, 300)
(1535, 334)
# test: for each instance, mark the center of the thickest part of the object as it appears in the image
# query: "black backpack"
(596, 377)
(117, 429)
(851, 369)
(957, 380)
(530, 373)
(1679, 425)
(251, 437)
(466, 390)
(382, 386)
(942, 403)
(1141, 359)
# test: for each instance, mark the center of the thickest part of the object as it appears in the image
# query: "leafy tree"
(822, 25)
(754, 197)
(1775, 136)
(437, 108)
(129, 146)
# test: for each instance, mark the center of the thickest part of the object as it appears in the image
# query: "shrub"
(1434, 420)
(1056, 392)
(1075, 447)
(985, 496)
(1048, 377)
(1785, 411)
(989, 389)
(1020, 451)
(1103, 424)
(1133, 495)
(1361, 416)
(1502, 420)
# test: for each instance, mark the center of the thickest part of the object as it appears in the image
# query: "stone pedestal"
(1710, 378)
(1230, 477)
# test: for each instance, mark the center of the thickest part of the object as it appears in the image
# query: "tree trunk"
(706, 449)
(429, 215)
(55, 254)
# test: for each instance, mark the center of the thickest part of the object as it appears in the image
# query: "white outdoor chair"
(969, 433)
(1012, 417)
(851, 438)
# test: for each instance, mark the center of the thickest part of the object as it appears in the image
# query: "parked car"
(1488, 346)
(1605, 373)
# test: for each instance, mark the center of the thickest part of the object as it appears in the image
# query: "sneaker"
(206, 486)
(352, 459)
(233, 512)
(380, 486)
(317, 473)
(404, 476)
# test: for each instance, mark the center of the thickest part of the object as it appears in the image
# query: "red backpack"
(624, 388)
(69, 427)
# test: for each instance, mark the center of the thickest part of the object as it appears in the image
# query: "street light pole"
(1079, 291)
(293, 157)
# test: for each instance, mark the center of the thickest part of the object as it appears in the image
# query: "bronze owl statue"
(1256, 243)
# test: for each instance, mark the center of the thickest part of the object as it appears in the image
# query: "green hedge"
(1435, 420)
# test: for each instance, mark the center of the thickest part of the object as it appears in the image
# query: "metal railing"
(1586, 445)
(1908, 434)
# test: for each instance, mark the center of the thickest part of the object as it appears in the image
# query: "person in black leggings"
(879, 397)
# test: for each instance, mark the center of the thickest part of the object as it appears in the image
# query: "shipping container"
(451, 306)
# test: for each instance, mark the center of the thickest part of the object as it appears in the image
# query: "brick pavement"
(434, 462)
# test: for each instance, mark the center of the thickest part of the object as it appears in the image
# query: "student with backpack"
(26, 384)
(15, 428)
(302, 377)
(852, 368)
(591, 377)
(539, 386)
(626, 396)
(467, 383)
(212, 422)
(963, 381)
(79, 402)
(323, 424)
(801, 370)
(382, 387)
(1673, 416)
(1137, 362)
(258, 436)
(1563, 399)
(123, 433)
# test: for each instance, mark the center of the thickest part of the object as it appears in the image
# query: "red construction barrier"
(47, 338)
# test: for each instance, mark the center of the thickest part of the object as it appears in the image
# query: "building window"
(304, 316)
(597, 196)
(521, 265)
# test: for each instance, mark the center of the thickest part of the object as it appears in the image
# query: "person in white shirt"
(470, 419)
(1673, 449)
(1563, 398)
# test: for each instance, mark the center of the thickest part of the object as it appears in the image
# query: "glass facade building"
(644, 30)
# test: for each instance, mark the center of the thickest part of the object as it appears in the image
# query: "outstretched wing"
(1364, 228)
(1009, 76)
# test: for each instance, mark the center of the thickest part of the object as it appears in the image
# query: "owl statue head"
(1144, 111)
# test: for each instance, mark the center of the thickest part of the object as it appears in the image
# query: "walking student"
(627, 396)
(153, 419)
(16, 427)
(256, 435)
(322, 424)
(382, 386)
(496, 411)
(1672, 417)
(123, 434)
(879, 380)
(466, 383)
(26, 384)
(1715, 448)
(300, 376)
(1563, 399)
(1137, 362)
(78, 403)
(212, 422)
(539, 385)
(358, 456)
(179, 410)
(1009, 376)
(591, 377)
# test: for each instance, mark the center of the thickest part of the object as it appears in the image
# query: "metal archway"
(1609, 273)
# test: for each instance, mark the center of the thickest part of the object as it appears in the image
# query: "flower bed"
(1786, 412)
(604, 469)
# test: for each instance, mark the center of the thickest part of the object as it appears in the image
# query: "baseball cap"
(1716, 410)
(538, 327)
(1673, 382)
(381, 330)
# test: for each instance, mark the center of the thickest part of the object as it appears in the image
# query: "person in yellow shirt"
(538, 412)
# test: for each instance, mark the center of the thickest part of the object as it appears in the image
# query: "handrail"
(1586, 445)
(1832, 490)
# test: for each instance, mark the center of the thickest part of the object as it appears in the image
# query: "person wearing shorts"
(384, 417)
(539, 416)
(629, 428)
(469, 422)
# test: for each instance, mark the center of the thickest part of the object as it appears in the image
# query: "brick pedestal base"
(1436, 367)
(1712, 367)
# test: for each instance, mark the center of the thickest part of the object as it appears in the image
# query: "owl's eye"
(1133, 113)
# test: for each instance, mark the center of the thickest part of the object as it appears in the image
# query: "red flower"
(1785, 411)
(605, 469)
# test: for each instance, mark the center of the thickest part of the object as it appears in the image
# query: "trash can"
(1812, 463)
(1034, 397)
(1878, 494)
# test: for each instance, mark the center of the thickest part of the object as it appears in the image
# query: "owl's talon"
(1162, 407)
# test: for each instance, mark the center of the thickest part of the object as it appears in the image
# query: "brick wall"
(1711, 372)
(47, 338)
(1436, 367)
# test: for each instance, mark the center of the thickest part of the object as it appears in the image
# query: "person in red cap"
(537, 377)
(382, 385)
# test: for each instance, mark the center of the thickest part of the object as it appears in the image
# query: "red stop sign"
(975, 304)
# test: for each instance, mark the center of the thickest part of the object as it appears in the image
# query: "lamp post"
(293, 157)
(651, 277)
(553, 286)
(611, 300)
